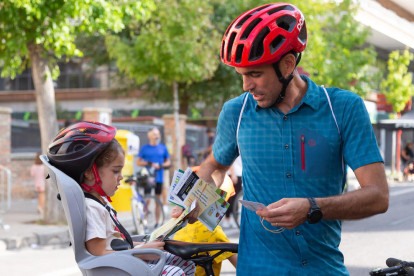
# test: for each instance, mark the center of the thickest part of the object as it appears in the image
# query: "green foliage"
(178, 44)
(398, 87)
(52, 24)
(336, 55)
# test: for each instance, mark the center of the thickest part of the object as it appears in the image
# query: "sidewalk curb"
(36, 239)
(44, 236)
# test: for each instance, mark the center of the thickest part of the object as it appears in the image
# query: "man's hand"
(287, 212)
(192, 216)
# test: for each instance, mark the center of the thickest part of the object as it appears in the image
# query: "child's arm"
(97, 247)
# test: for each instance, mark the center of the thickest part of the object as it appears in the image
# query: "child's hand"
(154, 245)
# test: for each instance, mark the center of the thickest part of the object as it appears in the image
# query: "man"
(293, 148)
(211, 136)
(155, 155)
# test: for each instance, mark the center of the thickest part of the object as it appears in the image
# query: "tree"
(177, 45)
(37, 33)
(398, 87)
(336, 53)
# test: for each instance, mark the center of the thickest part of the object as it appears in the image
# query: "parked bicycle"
(147, 211)
(396, 267)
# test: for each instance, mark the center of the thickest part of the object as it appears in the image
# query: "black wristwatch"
(315, 214)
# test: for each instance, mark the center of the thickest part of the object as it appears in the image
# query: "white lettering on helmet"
(301, 21)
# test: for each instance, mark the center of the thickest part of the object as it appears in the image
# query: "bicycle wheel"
(237, 207)
(137, 216)
(153, 213)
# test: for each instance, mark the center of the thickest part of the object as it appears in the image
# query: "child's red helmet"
(76, 147)
(263, 35)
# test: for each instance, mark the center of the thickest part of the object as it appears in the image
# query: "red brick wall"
(5, 134)
(22, 183)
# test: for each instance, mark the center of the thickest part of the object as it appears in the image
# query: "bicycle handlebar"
(394, 262)
(396, 267)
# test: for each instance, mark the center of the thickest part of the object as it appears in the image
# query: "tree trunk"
(177, 127)
(184, 103)
(45, 98)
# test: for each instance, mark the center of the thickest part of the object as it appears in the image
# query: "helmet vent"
(228, 29)
(286, 22)
(222, 49)
(241, 22)
(239, 53)
(250, 28)
(276, 43)
(287, 7)
(257, 49)
(91, 131)
(54, 149)
(261, 8)
(302, 35)
(230, 45)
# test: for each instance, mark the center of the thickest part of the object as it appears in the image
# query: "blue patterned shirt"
(298, 154)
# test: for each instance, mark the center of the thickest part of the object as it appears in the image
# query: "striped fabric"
(175, 266)
(298, 154)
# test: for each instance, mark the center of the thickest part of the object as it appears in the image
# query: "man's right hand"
(192, 216)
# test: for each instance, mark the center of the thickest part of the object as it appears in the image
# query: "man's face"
(261, 81)
(154, 136)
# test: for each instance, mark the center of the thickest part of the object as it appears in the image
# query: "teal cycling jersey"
(295, 155)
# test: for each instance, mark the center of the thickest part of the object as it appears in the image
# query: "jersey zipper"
(302, 138)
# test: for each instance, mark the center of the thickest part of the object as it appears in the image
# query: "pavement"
(22, 228)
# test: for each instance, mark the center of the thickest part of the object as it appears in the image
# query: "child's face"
(110, 174)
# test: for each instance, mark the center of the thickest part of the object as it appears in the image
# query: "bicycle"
(396, 267)
(237, 207)
(144, 208)
(191, 252)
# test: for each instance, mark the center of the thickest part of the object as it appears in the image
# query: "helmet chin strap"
(285, 81)
(97, 186)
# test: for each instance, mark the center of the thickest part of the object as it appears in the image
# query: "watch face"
(316, 216)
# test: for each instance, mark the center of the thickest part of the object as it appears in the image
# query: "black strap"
(114, 218)
(285, 81)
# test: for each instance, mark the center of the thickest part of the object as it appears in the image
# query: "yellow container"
(121, 201)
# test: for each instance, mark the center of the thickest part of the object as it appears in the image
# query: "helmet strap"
(97, 186)
(285, 81)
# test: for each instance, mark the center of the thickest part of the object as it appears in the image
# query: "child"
(37, 171)
(88, 152)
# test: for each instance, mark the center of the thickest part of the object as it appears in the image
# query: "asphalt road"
(366, 244)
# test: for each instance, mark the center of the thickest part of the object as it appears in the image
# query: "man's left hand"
(287, 212)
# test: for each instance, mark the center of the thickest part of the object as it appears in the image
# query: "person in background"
(407, 154)
(211, 137)
(236, 176)
(37, 171)
(155, 155)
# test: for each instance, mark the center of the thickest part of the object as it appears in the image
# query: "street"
(366, 244)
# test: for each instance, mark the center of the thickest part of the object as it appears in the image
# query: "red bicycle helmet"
(76, 147)
(263, 35)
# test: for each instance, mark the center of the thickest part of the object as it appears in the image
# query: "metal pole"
(394, 146)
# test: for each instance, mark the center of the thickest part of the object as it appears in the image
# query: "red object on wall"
(383, 105)
(399, 150)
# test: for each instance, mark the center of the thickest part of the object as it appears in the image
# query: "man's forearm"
(212, 171)
(362, 203)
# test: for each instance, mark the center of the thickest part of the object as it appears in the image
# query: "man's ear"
(287, 65)
(89, 175)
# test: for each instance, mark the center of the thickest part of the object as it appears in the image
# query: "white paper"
(253, 206)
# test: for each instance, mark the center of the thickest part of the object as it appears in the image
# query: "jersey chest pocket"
(313, 154)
